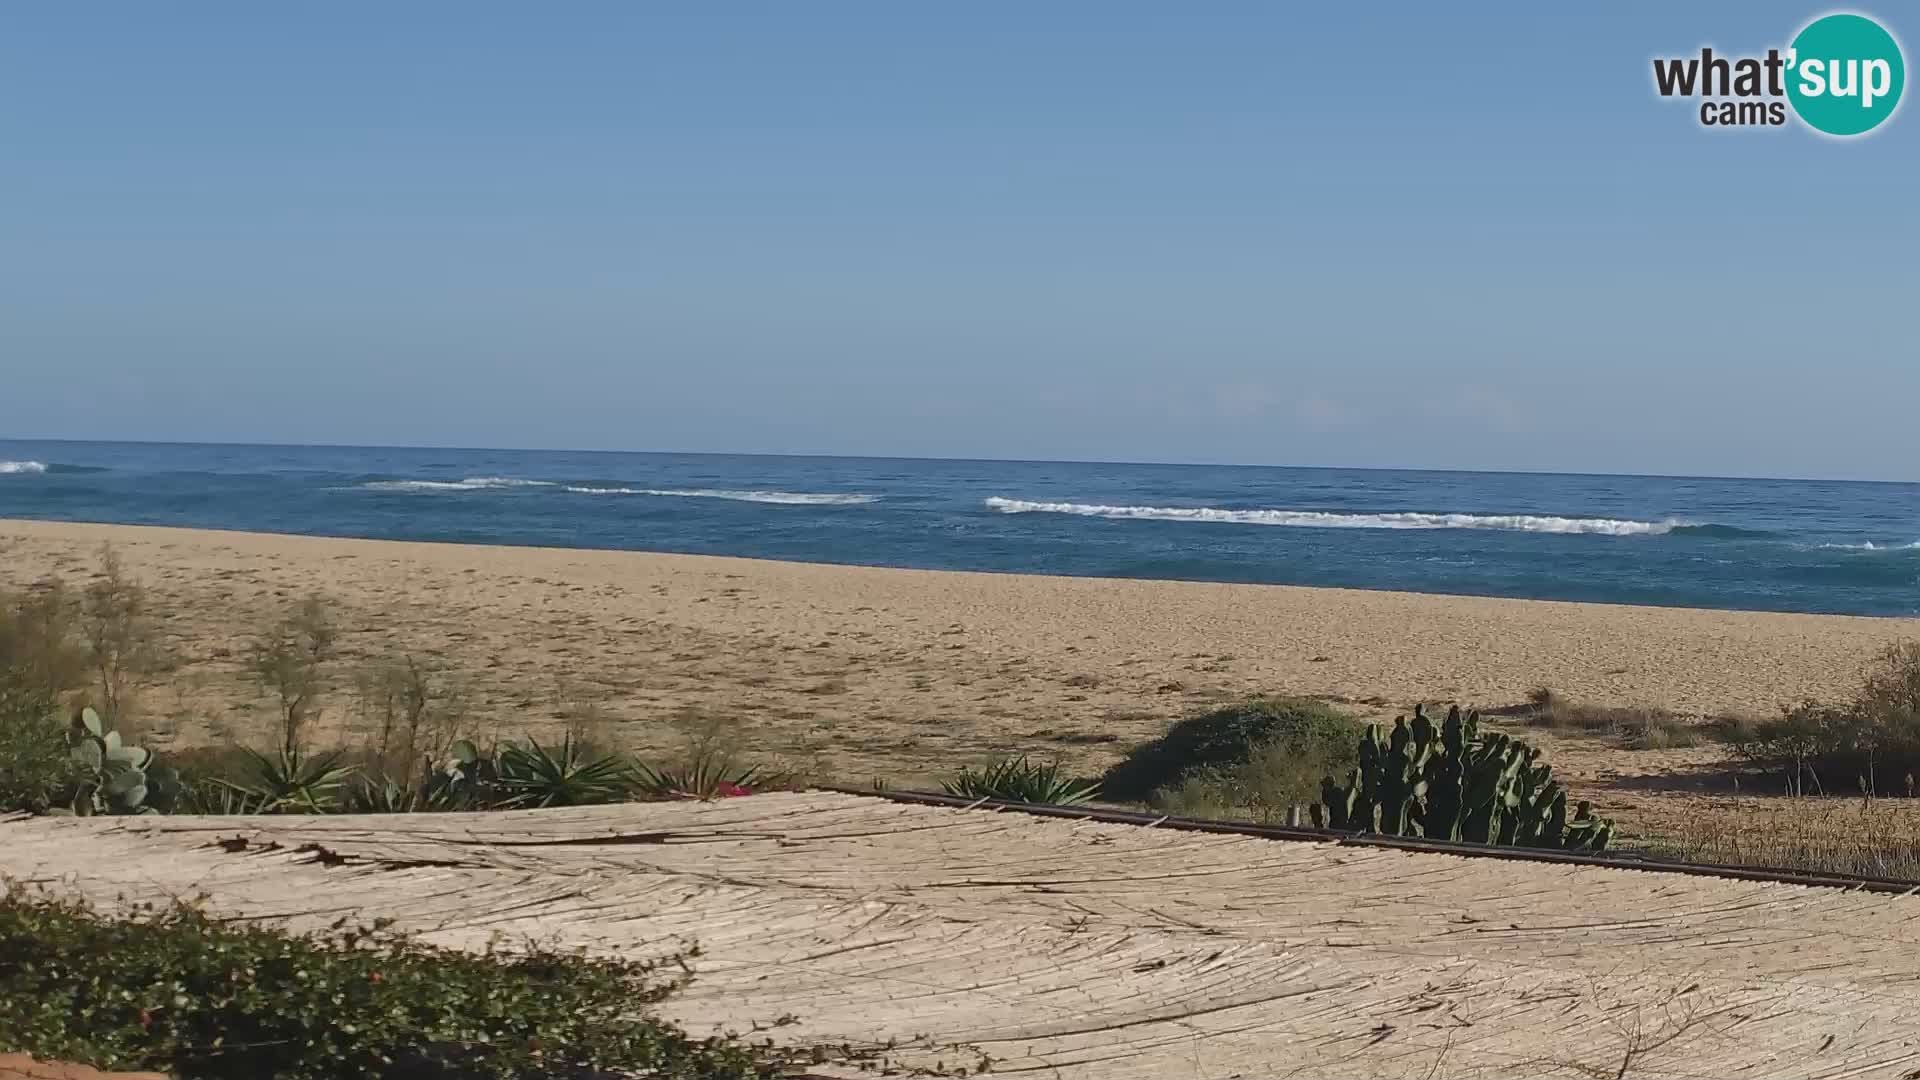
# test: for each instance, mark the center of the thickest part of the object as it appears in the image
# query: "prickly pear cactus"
(1455, 784)
(115, 777)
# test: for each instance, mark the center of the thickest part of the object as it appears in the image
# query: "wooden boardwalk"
(1089, 951)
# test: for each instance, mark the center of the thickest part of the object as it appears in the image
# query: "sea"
(1770, 545)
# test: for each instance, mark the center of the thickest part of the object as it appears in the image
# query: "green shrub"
(36, 767)
(1016, 779)
(1871, 743)
(1217, 746)
(508, 777)
(1276, 776)
(173, 989)
(39, 661)
(74, 762)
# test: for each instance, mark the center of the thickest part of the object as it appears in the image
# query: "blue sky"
(1388, 235)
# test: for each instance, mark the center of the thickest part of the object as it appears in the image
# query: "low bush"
(1276, 777)
(1870, 743)
(36, 769)
(39, 661)
(507, 776)
(173, 989)
(1275, 749)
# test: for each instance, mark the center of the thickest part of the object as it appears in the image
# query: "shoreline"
(7, 523)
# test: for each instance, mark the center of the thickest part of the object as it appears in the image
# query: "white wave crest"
(471, 483)
(1319, 519)
(7, 467)
(784, 498)
(1871, 546)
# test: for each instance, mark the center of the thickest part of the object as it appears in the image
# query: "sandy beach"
(862, 672)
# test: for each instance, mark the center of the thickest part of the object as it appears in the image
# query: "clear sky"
(1461, 235)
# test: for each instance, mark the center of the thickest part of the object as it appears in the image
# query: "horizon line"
(924, 457)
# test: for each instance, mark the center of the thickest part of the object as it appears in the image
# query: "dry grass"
(1864, 837)
(1633, 727)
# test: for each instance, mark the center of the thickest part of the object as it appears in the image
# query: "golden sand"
(900, 673)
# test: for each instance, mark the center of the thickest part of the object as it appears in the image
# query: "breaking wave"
(9, 467)
(493, 483)
(1320, 519)
(784, 498)
(471, 483)
(1871, 546)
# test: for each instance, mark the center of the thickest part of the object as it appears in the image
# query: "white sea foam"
(1871, 546)
(7, 467)
(785, 498)
(1319, 519)
(471, 483)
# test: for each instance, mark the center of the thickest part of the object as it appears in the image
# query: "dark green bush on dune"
(1253, 757)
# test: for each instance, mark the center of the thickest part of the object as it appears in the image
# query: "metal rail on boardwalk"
(1615, 860)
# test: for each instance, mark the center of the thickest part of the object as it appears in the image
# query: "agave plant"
(292, 782)
(707, 775)
(218, 797)
(381, 795)
(563, 775)
(1015, 779)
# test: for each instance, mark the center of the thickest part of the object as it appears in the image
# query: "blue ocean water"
(1783, 545)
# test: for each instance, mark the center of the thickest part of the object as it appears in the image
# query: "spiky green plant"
(381, 795)
(1016, 779)
(291, 782)
(563, 775)
(707, 774)
(218, 797)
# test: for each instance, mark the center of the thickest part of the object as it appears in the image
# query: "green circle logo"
(1845, 74)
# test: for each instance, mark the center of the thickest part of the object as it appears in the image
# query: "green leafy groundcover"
(173, 989)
